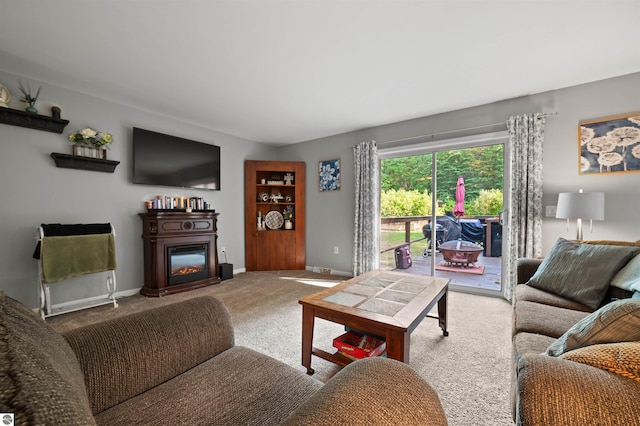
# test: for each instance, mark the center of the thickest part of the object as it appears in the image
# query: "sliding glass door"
(412, 200)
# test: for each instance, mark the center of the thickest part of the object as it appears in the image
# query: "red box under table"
(359, 345)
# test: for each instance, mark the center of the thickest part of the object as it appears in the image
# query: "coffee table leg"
(398, 346)
(442, 313)
(307, 337)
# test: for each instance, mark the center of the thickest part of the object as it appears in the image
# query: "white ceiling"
(288, 71)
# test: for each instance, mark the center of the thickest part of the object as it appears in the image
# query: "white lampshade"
(579, 206)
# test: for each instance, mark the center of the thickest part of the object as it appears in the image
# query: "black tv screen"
(165, 160)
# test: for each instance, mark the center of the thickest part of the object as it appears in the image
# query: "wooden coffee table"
(387, 304)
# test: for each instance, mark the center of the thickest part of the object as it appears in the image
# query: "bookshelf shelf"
(66, 161)
(15, 117)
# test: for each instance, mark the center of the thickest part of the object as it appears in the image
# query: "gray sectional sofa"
(576, 337)
(178, 364)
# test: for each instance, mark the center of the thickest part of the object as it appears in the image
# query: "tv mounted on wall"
(165, 160)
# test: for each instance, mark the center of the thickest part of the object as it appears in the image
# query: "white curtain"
(366, 240)
(524, 224)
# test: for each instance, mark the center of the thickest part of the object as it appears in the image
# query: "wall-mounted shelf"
(15, 117)
(83, 163)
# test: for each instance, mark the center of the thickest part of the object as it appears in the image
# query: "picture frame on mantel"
(609, 145)
(329, 175)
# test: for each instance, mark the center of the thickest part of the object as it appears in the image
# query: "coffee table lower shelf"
(336, 358)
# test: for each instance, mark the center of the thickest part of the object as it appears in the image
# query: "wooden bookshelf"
(274, 248)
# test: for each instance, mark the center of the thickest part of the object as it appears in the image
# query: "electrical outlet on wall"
(550, 211)
(336, 250)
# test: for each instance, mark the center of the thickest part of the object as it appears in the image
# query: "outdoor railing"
(407, 221)
(412, 224)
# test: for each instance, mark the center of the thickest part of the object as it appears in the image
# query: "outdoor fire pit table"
(460, 253)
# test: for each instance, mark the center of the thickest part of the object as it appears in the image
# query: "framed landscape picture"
(329, 175)
(610, 146)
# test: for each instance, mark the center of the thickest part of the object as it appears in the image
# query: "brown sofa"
(178, 364)
(554, 390)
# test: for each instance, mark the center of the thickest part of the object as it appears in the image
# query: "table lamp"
(580, 205)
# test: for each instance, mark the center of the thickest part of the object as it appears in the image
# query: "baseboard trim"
(117, 294)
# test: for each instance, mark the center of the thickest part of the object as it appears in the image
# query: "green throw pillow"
(615, 322)
(581, 272)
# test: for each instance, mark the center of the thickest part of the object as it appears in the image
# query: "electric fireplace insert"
(187, 263)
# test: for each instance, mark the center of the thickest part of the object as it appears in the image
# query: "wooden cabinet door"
(275, 250)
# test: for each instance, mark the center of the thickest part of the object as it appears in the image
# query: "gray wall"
(34, 191)
(330, 215)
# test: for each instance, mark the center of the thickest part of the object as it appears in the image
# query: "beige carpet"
(469, 369)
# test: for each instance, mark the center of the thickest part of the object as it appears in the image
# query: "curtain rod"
(432, 135)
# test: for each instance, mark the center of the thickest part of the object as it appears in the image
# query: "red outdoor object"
(459, 208)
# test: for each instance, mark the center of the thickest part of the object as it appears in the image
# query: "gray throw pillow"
(581, 272)
(615, 322)
(628, 278)
(40, 379)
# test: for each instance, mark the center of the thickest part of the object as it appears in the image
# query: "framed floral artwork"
(610, 146)
(329, 175)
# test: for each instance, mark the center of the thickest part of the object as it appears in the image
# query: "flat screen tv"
(165, 160)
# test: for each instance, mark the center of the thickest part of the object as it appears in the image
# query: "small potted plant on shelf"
(28, 99)
(288, 217)
(91, 143)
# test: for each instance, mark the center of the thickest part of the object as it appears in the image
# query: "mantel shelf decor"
(16, 117)
(84, 163)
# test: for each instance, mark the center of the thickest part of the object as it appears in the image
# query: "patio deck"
(490, 280)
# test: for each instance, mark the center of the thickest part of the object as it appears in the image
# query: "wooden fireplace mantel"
(162, 230)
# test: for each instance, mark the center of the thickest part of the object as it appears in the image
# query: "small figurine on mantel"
(288, 178)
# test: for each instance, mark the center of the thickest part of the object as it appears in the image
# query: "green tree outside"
(408, 180)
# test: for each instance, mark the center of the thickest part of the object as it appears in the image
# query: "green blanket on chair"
(75, 255)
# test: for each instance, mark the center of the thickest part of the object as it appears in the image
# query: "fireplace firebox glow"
(187, 263)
